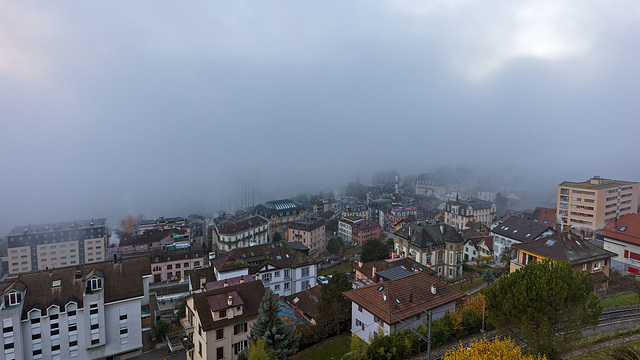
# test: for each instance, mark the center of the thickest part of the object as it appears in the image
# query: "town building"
(485, 247)
(46, 246)
(404, 303)
(568, 247)
(280, 214)
(150, 240)
(321, 206)
(622, 237)
(459, 213)
(438, 246)
(345, 228)
(310, 232)
(355, 209)
(76, 312)
(175, 261)
(371, 270)
(591, 204)
(198, 278)
(516, 230)
(162, 223)
(234, 232)
(281, 268)
(219, 319)
(364, 231)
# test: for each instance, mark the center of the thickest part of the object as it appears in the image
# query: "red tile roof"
(545, 216)
(631, 225)
(405, 297)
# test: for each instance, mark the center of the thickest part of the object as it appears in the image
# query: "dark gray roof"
(521, 229)
(425, 236)
(394, 273)
(61, 226)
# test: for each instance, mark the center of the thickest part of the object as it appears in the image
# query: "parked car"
(322, 280)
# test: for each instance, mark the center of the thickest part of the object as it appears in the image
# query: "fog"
(113, 109)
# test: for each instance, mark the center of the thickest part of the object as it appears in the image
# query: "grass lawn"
(353, 251)
(479, 269)
(467, 285)
(605, 353)
(333, 348)
(620, 299)
(342, 268)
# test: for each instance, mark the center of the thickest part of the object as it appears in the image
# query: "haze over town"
(112, 109)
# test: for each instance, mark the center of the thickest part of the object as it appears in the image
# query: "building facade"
(76, 312)
(37, 247)
(176, 261)
(280, 214)
(591, 204)
(516, 230)
(355, 210)
(459, 213)
(310, 232)
(364, 231)
(219, 319)
(438, 246)
(345, 228)
(233, 232)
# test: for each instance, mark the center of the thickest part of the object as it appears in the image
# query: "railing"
(186, 325)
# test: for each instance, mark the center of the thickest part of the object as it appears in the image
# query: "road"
(161, 354)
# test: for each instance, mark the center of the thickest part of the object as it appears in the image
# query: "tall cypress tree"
(276, 333)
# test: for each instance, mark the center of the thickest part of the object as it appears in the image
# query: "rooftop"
(425, 236)
(521, 229)
(626, 229)
(565, 246)
(280, 255)
(596, 183)
(233, 227)
(61, 226)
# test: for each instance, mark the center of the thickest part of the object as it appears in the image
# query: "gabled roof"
(231, 227)
(381, 265)
(627, 229)
(520, 229)
(122, 280)
(405, 297)
(307, 300)
(488, 240)
(475, 204)
(280, 255)
(470, 233)
(249, 293)
(565, 246)
(425, 236)
(195, 275)
(544, 216)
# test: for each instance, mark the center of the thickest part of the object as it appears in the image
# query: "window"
(36, 336)
(240, 329)
(95, 341)
(53, 317)
(169, 267)
(196, 263)
(584, 267)
(123, 331)
(55, 347)
(266, 277)
(286, 273)
(360, 308)
(277, 274)
(597, 266)
(305, 285)
(96, 284)
(277, 287)
(12, 299)
(73, 343)
(305, 271)
(93, 309)
(222, 313)
(73, 327)
(71, 313)
(219, 353)
(219, 334)
(178, 266)
(239, 347)
(286, 286)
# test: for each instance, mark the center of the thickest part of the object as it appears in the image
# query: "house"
(218, 320)
(175, 261)
(306, 303)
(544, 216)
(37, 247)
(438, 246)
(485, 246)
(310, 232)
(76, 312)
(591, 204)
(280, 213)
(233, 232)
(622, 236)
(364, 231)
(394, 305)
(460, 212)
(371, 270)
(568, 247)
(281, 268)
(471, 250)
(516, 230)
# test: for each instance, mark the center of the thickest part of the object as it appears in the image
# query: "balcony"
(186, 325)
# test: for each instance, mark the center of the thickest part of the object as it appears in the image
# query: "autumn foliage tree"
(128, 224)
(496, 349)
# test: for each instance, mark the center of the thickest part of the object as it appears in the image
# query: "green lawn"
(333, 348)
(342, 268)
(353, 251)
(479, 269)
(621, 299)
(607, 352)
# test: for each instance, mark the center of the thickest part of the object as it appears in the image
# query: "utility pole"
(482, 330)
(429, 338)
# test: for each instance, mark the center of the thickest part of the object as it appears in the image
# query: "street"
(161, 354)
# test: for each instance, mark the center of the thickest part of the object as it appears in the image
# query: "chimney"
(78, 273)
(442, 229)
(360, 263)
(373, 271)
(115, 258)
(394, 254)
(241, 279)
(225, 284)
(433, 288)
(384, 297)
(229, 300)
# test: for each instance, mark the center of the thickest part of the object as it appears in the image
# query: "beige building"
(218, 319)
(591, 204)
(37, 247)
(310, 232)
(459, 213)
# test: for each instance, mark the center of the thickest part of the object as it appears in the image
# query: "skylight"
(380, 288)
(278, 257)
(528, 235)
(515, 231)
(398, 301)
(623, 228)
(56, 283)
(550, 242)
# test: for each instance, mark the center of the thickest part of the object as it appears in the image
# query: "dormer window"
(12, 299)
(94, 285)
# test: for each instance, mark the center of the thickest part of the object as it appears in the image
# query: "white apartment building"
(231, 233)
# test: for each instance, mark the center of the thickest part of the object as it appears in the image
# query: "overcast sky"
(112, 108)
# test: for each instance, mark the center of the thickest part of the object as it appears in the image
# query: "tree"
(547, 304)
(332, 225)
(496, 349)
(276, 333)
(334, 245)
(333, 308)
(260, 351)
(276, 237)
(374, 250)
(488, 276)
(128, 224)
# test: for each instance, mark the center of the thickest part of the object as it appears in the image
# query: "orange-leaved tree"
(496, 349)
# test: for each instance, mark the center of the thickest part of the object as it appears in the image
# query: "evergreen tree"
(488, 276)
(374, 250)
(276, 237)
(333, 308)
(276, 333)
(334, 245)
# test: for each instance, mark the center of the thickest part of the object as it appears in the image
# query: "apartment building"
(461, 213)
(310, 232)
(438, 246)
(568, 247)
(345, 228)
(355, 210)
(280, 214)
(46, 246)
(591, 204)
(219, 319)
(76, 312)
(176, 261)
(281, 268)
(162, 223)
(234, 232)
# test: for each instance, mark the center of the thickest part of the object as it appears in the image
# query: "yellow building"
(591, 204)
(567, 247)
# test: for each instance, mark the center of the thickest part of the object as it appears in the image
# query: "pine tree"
(488, 276)
(276, 333)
